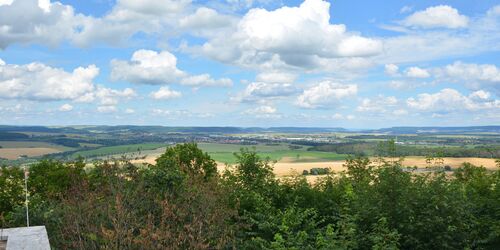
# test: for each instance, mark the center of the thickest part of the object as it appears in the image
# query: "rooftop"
(24, 238)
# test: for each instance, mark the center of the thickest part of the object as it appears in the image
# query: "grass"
(225, 152)
(121, 149)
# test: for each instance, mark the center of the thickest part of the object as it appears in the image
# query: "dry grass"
(14, 153)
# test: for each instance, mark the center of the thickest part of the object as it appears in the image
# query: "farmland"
(297, 146)
(12, 150)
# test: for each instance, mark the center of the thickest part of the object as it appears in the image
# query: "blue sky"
(353, 64)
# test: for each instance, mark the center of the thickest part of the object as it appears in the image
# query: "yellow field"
(14, 153)
(285, 167)
(453, 162)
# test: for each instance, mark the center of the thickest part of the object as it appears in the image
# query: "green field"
(116, 150)
(225, 152)
(31, 144)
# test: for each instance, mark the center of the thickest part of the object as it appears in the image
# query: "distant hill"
(437, 130)
(242, 130)
(226, 130)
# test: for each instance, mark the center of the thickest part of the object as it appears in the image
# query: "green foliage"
(11, 188)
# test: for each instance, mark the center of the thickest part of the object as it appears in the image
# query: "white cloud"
(65, 107)
(39, 82)
(179, 114)
(263, 112)
(471, 75)
(263, 92)
(109, 96)
(400, 112)
(441, 16)
(276, 77)
(338, 116)
(473, 72)
(450, 100)
(6, 2)
(206, 80)
(379, 104)
(416, 72)
(325, 94)
(32, 21)
(391, 69)
(106, 109)
(129, 111)
(36, 81)
(297, 37)
(165, 93)
(481, 35)
(205, 19)
(50, 23)
(147, 67)
(155, 68)
(480, 95)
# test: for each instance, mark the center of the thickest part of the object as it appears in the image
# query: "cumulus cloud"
(326, 94)
(441, 16)
(32, 21)
(472, 72)
(263, 92)
(416, 72)
(471, 75)
(263, 112)
(391, 69)
(39, 82)
(276, 77)
(380, 104)
(289, 36)
(450, 100)
(107, 109)
(155, 68)
(165, 93)
(179, 114)
(65, 107)
(36, 81)
(147, 67)
(45, 22)
(206, 80)
(107, 96)
(205, 19)
(481, 34)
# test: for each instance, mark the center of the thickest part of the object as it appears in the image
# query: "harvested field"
(287, 167)
(450, 161)
(14, 153)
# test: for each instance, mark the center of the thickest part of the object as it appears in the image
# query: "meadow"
(118, 150)
(224, 153)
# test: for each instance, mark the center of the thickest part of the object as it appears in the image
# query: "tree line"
(383, 149)
(183, 202)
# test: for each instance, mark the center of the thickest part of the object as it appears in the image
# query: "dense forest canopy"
(183, 202)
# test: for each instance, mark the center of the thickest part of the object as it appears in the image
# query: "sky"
(312, 63)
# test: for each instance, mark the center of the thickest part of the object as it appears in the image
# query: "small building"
(24, 238)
